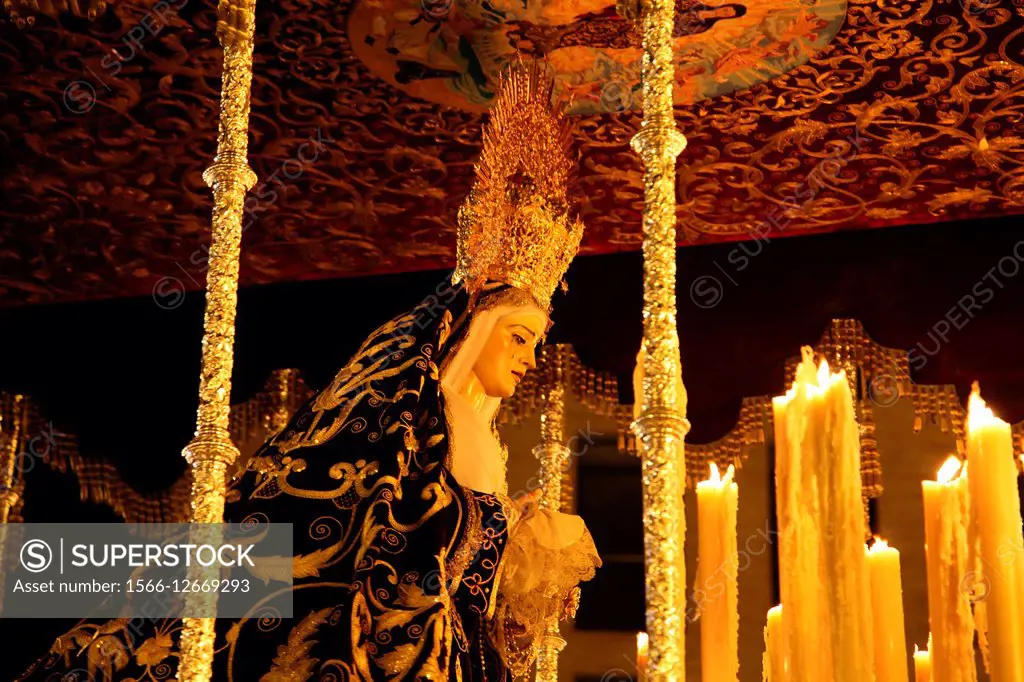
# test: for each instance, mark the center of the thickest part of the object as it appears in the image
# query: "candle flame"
(808, 381)
(949, 470)
(641, 642)
(716, 478)
(878, 545)
(823, 373)
(979, 414)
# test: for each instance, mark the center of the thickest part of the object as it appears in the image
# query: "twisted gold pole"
(282, 382)
(10, 439)
(211, 450)
(661, 425)
(553, 455)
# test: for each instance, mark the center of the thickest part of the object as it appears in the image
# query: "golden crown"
(514, 226)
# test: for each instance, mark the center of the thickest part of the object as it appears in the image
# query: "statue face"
(510, 351)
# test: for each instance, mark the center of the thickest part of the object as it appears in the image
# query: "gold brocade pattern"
(910, 116)
(872, 156)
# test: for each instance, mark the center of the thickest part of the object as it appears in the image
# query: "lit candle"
(715, 592)
(922, 665)
(823, 573)
(641, 655)
(995, 506)
(887, 609)
(775, 666)
(951, 649)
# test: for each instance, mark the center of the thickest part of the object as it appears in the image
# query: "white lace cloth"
(548, 555)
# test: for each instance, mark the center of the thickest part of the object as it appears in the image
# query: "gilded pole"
(211, 451)
(661, 424)
(10, 439)
(553, 454)
(11, 435)
(282, 382)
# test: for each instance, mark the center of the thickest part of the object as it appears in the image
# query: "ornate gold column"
(10, 438)
(211, 450)
(661, 425)
(11, 432)
(553, 454)
(282, 382)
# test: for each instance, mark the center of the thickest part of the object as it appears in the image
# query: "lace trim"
(551, 554)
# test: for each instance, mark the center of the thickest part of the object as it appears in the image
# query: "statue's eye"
(519, 339)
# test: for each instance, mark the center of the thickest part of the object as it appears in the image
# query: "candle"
(922, 665)
(641, 655)
(887, 609)
(951, 650)
(716, 592)
(823, 573)
(775, 664)
(995, 508)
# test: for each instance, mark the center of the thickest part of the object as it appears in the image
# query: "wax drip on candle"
(823, 570)
(996, 527)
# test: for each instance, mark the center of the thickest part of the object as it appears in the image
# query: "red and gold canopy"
(802, 116)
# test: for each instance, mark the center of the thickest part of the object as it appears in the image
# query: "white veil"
(476, 456)
(548, 552)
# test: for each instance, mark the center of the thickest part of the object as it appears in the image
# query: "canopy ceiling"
(885, 114)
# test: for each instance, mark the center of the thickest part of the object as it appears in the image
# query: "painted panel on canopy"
(450, 51)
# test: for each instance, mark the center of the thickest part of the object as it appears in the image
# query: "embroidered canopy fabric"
(801, 117)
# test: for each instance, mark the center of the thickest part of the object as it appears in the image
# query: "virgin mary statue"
(411, 561)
